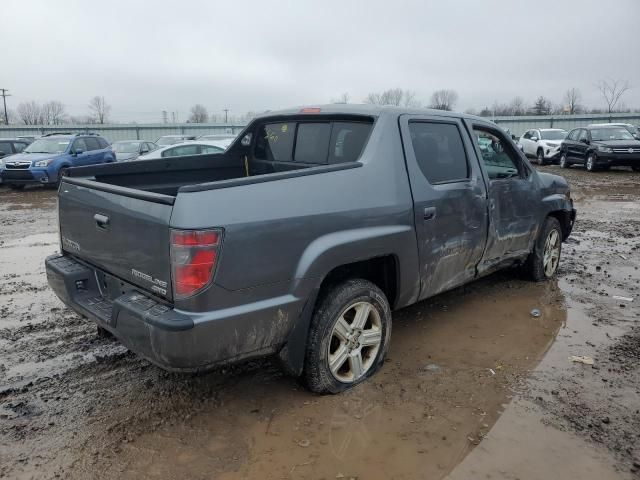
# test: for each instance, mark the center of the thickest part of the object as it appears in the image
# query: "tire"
(636, 168)
(351, 302)
(540, 156)
(62, 173)
(590, 163)
(13, 186)
(542, 264)
(564, 163)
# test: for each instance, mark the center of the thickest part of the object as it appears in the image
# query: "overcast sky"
(145, 57)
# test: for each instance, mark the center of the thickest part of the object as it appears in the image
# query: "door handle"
(102, 221)
(429, 213)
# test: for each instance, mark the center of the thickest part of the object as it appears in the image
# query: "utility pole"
(4, 100)
(226, 115)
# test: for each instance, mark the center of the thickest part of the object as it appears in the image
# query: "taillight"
(194, 254)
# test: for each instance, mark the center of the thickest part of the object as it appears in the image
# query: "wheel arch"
(382, 270)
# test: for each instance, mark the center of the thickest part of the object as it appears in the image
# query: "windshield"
(604, 134)
(48, 145)
(553, 134)
(126, 147)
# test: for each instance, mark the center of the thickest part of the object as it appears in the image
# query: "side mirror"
(534, 139)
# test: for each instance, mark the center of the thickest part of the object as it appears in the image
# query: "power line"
(4, 100)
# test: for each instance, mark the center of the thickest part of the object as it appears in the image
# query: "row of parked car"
(45, 160)
(597, 146)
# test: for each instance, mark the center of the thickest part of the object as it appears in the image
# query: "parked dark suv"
(600, 147)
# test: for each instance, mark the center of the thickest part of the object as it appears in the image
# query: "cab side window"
(527, 135)
(439, 151)
(92, 144)
(500, 160)
(78, 145)
(573, 134)
(584, 135)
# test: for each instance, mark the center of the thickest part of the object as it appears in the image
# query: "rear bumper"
(172, 339)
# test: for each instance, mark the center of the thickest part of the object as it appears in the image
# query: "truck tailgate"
(126, 236)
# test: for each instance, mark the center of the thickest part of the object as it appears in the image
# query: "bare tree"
(393, 96)
(199, 114)
(343, 98)
(99, 109)
(517, 106)
(30, 113)
(409, 100)
(572, 99)
(611, 91)
(444, 99)
(53, 113)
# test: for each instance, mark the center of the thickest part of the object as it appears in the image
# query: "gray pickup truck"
(301, 238)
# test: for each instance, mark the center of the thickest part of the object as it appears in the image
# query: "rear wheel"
(591, 163)
(543, 261)
(540, 157)
(564, 163)
(348, 337)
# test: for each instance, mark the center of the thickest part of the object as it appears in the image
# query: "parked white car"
(543, 144)
(184, 149)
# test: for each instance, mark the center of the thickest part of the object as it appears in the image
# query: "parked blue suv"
(47, 159)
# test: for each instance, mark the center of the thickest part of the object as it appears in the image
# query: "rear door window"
(275, 142)
(312, 143)
(439, 151)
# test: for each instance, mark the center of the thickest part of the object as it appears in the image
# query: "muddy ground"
(474, 386)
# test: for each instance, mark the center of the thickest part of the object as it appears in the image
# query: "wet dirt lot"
(474, 386)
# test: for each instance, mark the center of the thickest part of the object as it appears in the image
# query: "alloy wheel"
(551, 253)
(355, 341)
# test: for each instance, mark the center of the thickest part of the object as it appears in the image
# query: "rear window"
(317, 143)
(312, 142)
(275, 142)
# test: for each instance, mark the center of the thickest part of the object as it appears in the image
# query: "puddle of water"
(412, 420)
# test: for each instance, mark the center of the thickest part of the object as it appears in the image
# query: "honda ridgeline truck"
(302, 237)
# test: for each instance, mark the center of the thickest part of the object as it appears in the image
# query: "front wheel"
(591, 163)
(62, 173)
(540, 157)
(543, 261)
(348, 337)
(563, 161)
